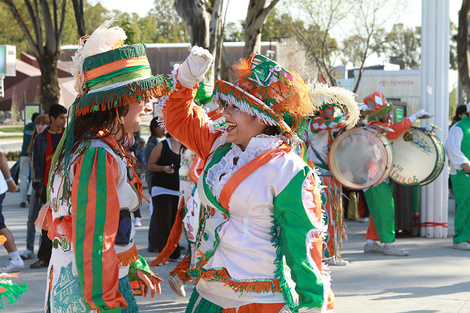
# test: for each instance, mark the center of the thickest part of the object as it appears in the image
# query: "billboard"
(7, 60)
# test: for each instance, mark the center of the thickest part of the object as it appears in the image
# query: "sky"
(237, 9)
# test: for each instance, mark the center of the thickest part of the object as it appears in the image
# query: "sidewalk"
(434, 278)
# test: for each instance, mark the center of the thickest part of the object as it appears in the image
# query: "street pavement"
(434, 278)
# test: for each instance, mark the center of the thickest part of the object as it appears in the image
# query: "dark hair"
(33, 118)
(154, 123)
(461, 109)
(87, 127)
(56, 109)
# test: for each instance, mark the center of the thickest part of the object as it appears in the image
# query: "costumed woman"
(187, 218)
(380, 198)
(338, 110)
(259, 241)
(94, 188)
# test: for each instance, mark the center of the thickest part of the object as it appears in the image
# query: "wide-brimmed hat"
(265, 89)
(110, 75)
(378, 104)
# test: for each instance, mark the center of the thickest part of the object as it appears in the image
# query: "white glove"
(417, 115)
(194, 67)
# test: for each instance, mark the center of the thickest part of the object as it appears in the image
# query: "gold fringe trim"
(128, 257)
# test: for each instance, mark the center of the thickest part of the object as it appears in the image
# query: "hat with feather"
(324, 96)
(268, 91)
(109, 74)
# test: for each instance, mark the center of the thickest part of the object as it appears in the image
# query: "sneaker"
(23, 205)
(362, 219)
(376, 248)
(336, 262)
(395, 251)
(461, 246)
(178, 259)
(12, 266)
(161, 264)
(27, 254)
(138, 222)
(39, 264)
(177, 285)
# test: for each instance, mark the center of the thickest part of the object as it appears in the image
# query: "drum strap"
(325, 164)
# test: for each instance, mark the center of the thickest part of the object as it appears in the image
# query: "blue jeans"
(34, 207)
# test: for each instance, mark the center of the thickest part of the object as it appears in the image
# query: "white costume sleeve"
(453, 149)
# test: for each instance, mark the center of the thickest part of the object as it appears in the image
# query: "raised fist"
(194, 67)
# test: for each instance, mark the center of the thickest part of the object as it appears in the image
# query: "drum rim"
(437, 169)
(388, 165)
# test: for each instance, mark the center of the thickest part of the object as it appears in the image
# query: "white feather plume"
(321, 94)
(101, 40)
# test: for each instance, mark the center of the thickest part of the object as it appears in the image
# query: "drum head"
(418, 157)
(360, 158)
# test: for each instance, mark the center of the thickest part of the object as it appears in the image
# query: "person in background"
(157, 134)
(164, 162)
(322, 128)
(25, 161)
(134, 149)
(380, 198)
(460, 111)
(41, 121)
(45, 145)
(8, 184)
(457, 148)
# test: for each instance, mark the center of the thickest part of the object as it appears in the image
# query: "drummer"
(331, 118)
(457, 148)
(380, 198)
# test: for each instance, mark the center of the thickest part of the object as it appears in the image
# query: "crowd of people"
(241, 172)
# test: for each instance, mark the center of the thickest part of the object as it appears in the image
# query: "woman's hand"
(150, 281)
(168, 169)
(194, 67)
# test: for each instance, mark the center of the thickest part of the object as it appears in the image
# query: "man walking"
(45, 145)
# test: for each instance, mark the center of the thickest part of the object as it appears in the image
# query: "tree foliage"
(42, 26)
(403, 46)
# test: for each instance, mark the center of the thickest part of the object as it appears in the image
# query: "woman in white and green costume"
(259, 244)
(93, 189)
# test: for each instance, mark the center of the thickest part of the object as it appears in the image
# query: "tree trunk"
(204, 26)
(255, 19)
(79, 17)
(50, 91)
(463, 58)
(197, 21)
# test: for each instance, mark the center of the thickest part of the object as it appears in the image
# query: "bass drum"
(418, 157)
(360, 158)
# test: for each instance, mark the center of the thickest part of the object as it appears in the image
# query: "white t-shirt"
(3, 183)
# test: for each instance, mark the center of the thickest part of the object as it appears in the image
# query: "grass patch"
(12, 129)
(10, 137)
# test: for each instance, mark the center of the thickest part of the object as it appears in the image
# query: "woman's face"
(133, 118)
(241, 126)
(40, 127)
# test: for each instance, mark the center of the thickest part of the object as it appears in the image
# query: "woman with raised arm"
(259, 239)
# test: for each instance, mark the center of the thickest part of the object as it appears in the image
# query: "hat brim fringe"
(247, 103)
(155, 87)
(376, 116)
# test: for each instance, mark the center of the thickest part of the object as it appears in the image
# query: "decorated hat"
(268, 91)
(378, 104)
(324, 96)
(109, 75)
